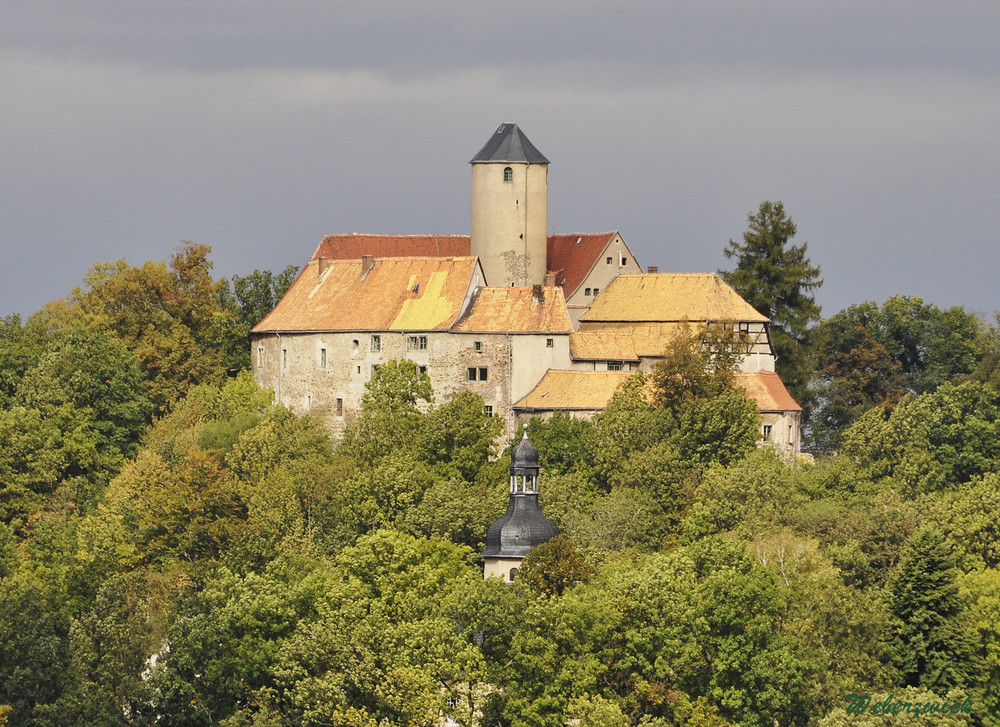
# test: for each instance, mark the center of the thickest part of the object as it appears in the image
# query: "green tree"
(552, 567)
(244, 303)
(167, 315)
(777, 279)
(935, 646)
(98, 377)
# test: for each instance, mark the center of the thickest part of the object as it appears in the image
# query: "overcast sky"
(258, 127)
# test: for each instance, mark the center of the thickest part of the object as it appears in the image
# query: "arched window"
(508, 174)
(513, 574)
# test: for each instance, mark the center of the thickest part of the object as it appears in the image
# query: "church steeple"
(523, 526)
(510, 191)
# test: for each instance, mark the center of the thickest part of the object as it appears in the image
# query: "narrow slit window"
(322, 358)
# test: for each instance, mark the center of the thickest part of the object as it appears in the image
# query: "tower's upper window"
(508, 174)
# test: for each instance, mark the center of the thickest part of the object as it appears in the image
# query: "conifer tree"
(777, 279)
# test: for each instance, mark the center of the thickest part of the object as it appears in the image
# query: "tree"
(552, 567)
(246, 302)
(935, 645)
(777, 279)
(166, 315)
(697, 365)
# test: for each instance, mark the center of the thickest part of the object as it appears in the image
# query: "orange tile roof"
(666, 297)
(573, 390)
(411, 294)
(767, 390)
(602, 346)
(354, 245)
(625, 341)
(571, 257)
(515, 310)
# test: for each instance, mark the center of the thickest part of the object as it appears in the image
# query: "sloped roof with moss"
(565, 390)
(516, 310)
(669, 297)
(390, 294)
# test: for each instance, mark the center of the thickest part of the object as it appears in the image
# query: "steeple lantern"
(524, 468)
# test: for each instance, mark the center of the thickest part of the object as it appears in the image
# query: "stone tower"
(510, 197)
(523, 526)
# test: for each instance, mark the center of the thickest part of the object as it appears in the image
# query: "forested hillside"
(176, 549)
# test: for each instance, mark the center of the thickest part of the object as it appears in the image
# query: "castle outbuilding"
(522, 527)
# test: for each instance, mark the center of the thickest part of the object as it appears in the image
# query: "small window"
(309, 402)
(340, 407)
(483, 374)
(586, 291)
(423, 369)
(767, 432)
(609, 260)
(359, 368)
(472, 373)
(614, 365)
(477, 346)
(596, 291)
(284, 358)
(513, 574)
(376, 343)
(322, 358)
(508, 174)
(624, 261)
(549, 343)
(417, 343)
(489, 410)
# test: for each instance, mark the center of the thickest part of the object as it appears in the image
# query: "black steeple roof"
(523, 526)
(509, 144)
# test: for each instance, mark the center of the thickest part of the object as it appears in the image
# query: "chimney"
(653, 269)
(550, 280)
(536, 292)
(322, 265)
(367, 262)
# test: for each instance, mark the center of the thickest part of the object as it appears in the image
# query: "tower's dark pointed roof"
(520, 529)
(509, 144)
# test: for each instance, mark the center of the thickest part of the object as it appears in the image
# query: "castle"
(534, 323)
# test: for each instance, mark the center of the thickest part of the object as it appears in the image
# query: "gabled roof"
(355, 245)
(572, 257)
(509, 144)
(667, 297)
(515, 310)
(768, 391)
(573, 390)
(406, 294)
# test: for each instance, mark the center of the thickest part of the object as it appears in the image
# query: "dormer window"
(508, 174)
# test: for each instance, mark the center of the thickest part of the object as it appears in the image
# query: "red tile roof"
(571, 257)
(354, 245)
